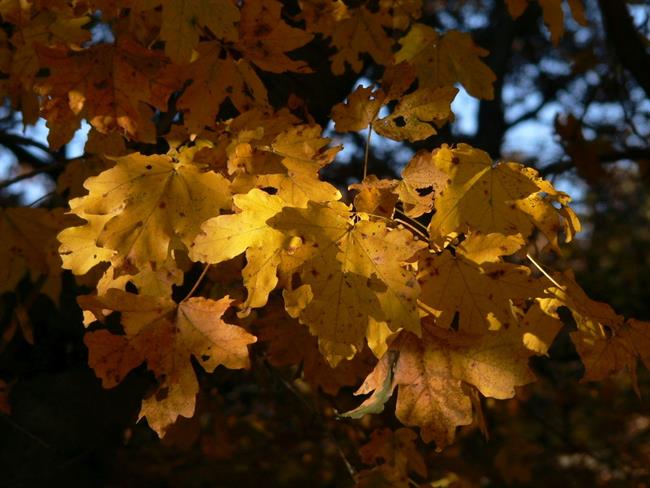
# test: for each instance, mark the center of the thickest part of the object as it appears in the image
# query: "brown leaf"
(430, 371)
(291, 344)
(166, 336)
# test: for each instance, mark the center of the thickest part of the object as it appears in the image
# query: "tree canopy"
(325, 241)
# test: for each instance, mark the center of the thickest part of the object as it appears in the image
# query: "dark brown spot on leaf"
(162, 393)
(495, 275)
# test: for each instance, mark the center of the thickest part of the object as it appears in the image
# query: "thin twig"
(21, 429)
(8, 138)
(351, 470)
(348, 465)
(197, 283)
(41, 198)
(48, 169)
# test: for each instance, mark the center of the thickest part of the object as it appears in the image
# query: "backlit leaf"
(143, 208)
(166, 337)
(443, 60)
(357, 271)
(182, 20)
(430, 371)
(480, 294)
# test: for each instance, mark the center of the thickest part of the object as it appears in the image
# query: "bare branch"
(610, 157)
(53, 168)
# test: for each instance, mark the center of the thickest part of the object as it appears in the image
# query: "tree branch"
(609, 157)
(12, 139)
(491, 121)
(628, 45)
(45, 169)
(549, 89)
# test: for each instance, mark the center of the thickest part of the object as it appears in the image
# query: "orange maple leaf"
(165, 336)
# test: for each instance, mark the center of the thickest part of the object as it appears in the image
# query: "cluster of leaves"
(423, 285)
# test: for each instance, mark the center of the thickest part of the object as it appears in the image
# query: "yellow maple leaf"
(605, 342)
(356, 271)
(503, 198)
(360, 110)
(603, 355)
(165, 336)
(549, 210)
(151, 279)
(541, 324)
(182, 19)
(145, 207)
(103, 145)
(376, 196)
(60, 27)
(227, 236)
(443, 60)
(79, 249)
(482, 248)
(302, 153)
(62, 122)
(421, 174)
(412, 117)
(480, 294)
(379, 196)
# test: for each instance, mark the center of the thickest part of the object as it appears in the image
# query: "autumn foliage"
(202, 235)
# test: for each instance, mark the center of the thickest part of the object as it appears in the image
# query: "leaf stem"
(413, 228)
(539, 267)
(415, 222)
(197, 283)
(403, 222)
(367, 152)
(423, 306)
